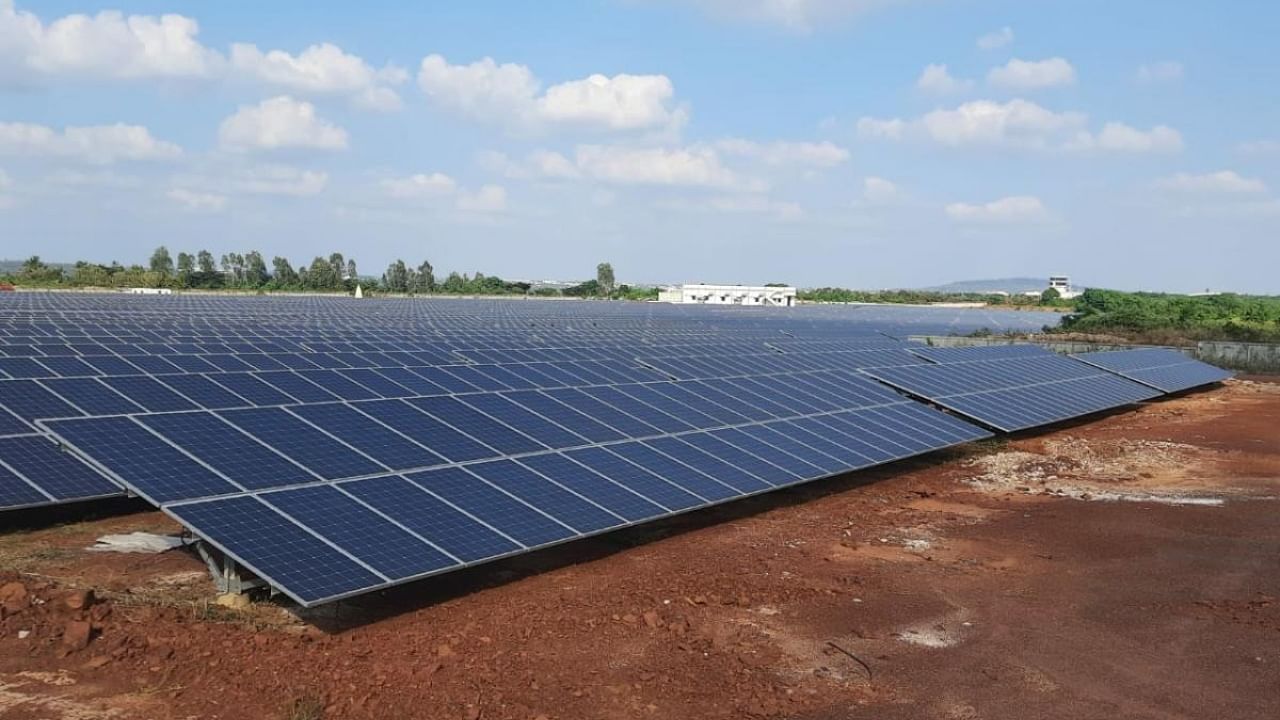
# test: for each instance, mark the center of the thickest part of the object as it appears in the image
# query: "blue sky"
(863, 143)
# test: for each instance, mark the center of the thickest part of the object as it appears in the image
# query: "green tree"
(255, 269)
(396, 279)
(1050, 296)
(204, 261)
(338, 268)
(352, 275)
(454, 283)
(284, 275)
(427, 277)
(161, 262)
(186, 269)
(604, 279)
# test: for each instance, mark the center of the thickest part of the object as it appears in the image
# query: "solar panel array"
(1017, 393)
(334, 447)
(1167, 370)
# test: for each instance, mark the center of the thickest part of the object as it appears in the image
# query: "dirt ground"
(1123, 567)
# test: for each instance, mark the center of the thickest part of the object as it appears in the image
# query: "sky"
(855, 143)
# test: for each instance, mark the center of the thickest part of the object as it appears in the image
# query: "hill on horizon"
(1010, 285)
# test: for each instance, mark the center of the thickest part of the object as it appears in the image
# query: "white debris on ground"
(136, 542)
(1091, 470)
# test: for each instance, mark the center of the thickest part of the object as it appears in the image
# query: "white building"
(1062, 284)
(752, 296)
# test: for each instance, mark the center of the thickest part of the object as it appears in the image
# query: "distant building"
(1062, 284)
(749, 295)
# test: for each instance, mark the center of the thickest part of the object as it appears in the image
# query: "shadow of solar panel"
(1167, 370)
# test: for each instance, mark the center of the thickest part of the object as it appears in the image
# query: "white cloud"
(892, 129)
(1021, 124)
(197, 201)
(1016, 209)
(1032, 75)
(280, 180)
(489, 198)
(1166, 71)
(509, 94)
(1222, 182)
(878, 191)
(687, 167)
(421, 185)
(736, 205)
(100, 144)
(1017, 122)
(820, 154)
(108, 44)
(1118, 137)
(937, 79)
(997, 39)
(794, 15)
(280, 123)
(321, 69)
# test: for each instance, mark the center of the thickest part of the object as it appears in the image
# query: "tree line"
(336, 273)
(1161, 317)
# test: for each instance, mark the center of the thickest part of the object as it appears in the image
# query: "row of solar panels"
(326, 500)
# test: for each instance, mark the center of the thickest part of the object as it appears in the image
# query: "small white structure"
(1062, 284)
(149, 291)
(749, 295)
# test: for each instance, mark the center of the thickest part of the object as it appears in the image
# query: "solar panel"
(1016, 394)
(1166, 370)
(946, 355)
(34, 471)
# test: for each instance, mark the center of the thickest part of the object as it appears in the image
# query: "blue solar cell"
(377, 383)
(58, 473)
(688, 417)
(689, 478)
(229, 363)
(448, 528)
(677, 392)
(448, 381)
(111, 365)
(23, 367)
(16, 492)
(454, 413)
(416, 384)
(296, 386)
(251, 388)
(149, 393)
(635, 478)
(426, 430)
(361, 532)
(339, 385)
(68, 367)
(505, 377)
(368, 436)
(714, 467)
(153, 364)
(785, 442)
(261, 362)
(30, 401)
(564, 416)
(535, 426)
(92, 396)
(304, 567)
(490, 505)
(534, 376)
(624, 423)
(1164, 369)
(593, 486)
(470, 375)
(204, 392)
(148, 465)
(615, 398)
(11, 424)
(294, 361)
(192, 363)
(757, 463)
(227, 450)
(544, 495)
(301, 442)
